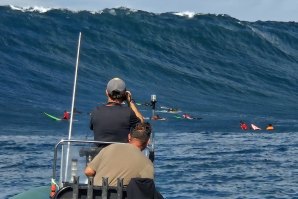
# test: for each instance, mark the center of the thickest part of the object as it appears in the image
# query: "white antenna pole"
(72, 104)
(74, 89)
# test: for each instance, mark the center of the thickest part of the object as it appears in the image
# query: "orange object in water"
(53, 190)
(270, 127)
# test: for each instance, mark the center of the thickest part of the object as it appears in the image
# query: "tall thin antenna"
(72, 104)
(74, 88)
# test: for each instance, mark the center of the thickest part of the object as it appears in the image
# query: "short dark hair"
(141, 131)
(117, 95)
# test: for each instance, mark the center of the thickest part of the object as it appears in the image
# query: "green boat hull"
(35, 193)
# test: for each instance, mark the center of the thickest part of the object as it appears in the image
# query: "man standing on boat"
(123, 160)
(112, 121)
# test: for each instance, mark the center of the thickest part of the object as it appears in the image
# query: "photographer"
(111, 122)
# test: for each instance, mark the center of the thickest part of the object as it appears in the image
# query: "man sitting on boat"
(112, 121)
(123, 160)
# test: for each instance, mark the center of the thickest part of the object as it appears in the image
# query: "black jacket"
(142, 188)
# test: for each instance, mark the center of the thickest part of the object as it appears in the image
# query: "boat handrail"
(63, 141)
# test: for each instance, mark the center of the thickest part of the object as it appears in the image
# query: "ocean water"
(210, 66)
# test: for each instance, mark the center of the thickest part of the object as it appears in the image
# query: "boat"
(68, 178)
(70, 159)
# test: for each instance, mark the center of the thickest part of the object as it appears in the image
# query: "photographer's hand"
(128, 96)
(133, 106)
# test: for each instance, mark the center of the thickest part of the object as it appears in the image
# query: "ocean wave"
(213, 58)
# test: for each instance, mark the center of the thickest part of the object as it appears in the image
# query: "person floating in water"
(171, 110)
(157, 117)
(243, 125)
(187, 116)
(66, 115)
(269, 127)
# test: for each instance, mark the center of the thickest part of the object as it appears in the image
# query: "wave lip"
(112, 11)
(188, 14)
(31, 8)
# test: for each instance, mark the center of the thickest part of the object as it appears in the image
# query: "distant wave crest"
(112, 11)
(31, 9)
(186, 13)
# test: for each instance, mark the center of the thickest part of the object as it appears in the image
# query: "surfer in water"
(157, 117)
(172, 110)
(187, 116)
(243, 125)
(269, 127)
(66, 115)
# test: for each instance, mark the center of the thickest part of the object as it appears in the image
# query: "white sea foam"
(127, 9)
(186, 14)
(111, 11)
(31, 9)
(40, 9)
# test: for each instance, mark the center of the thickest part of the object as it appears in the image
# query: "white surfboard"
(254, 127)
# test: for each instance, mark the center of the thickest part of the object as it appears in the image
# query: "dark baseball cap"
(116, 85)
